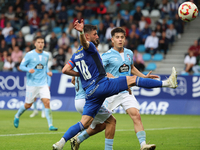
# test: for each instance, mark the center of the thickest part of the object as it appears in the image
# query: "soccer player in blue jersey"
(94, 81)
(35, 64)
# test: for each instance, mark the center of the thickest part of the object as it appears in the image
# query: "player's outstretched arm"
(79, 27)
(67, 69)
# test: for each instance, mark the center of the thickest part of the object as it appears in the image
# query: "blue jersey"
(89, 65)
(114, 63)
(38, 62)
(80, 93)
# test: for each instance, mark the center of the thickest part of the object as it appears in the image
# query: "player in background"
(35, 64)
(94, 81)
(35, 111)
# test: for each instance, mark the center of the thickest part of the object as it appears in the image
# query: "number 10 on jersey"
(83, 69)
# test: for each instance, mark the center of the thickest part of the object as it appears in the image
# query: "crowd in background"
(42, 16)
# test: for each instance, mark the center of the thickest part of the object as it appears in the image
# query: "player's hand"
(49, 74)
(31, 71)
(151, 76)
(109, 75)
(79, 26)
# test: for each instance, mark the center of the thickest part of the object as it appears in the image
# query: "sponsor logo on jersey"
(123, 68)
(79, 56)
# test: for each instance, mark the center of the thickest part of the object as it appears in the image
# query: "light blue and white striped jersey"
(38, 62)
(80, 93)
(115, 64)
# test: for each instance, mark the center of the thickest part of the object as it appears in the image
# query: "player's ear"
(112, 40)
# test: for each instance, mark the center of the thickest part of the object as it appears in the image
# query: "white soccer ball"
(187, 11)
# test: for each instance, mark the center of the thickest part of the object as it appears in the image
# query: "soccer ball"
(187, 11)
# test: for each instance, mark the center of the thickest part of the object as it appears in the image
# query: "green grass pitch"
(168, 132)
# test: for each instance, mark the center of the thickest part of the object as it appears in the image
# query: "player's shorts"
(34, 91)
(122, 99)
(96, 93)
(102, 115)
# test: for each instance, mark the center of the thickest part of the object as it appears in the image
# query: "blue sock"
(35, 106)
(83, 136)
(73, 130)
(148, 83)
(141, 135)
(20, 111)
(109, 144)
(48, 116)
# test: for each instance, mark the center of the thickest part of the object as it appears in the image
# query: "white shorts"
(35, 91)
(122, 99)
(101, 116)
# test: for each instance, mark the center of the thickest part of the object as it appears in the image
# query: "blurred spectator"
(18, 3)
(26, 50)
(130, 21)
(31, 12)
(59, 60)
(1, 36)
(164, 8)
(1, 63)
(8, 64)
(52, 18)
(163, 43)
(158, 30)
(107, 21)
(80, 7)
(58, 6)
(68, 55)
(171, 33)
(101, 33)
(34, 23)
(45, 23)
(17, 64)
(145, 32)
(72, 33)
(90, 8)
(50, 5)
(174, 5)
(4, 55)
(189, 61)
(16, 54)
(133, 40)
(75, 47)
(53, 42)
(125, 16)
(20, 40)
(138, 14)
(196, 68)
(126, 6)
(7, 29)
(3, 46)
(151, 43)
(138, 61)
(2, 21)
(112, 8)
(42, 12)
(195, 48)
(62, 17)
(125, 29)
(13, 44)
(142, 23)
(101, 10)
(38, 5)
(108, 32)
(178, 25)
(10, 15)
(164, 25)
(119, 21)
(8, 39)
(19, 18)
(27, 5)
(64, 41)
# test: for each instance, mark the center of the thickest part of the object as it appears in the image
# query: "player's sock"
(148, 83)
(73, 130)
(35, 106)
(48, 116)
(83, 136)
(141, 135)
(108, 144)
(165, 83)
(20, 111)
(62, 142)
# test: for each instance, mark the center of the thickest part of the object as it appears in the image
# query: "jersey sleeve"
(105, 59)
(71, 62)
(131, 55)
(92, 48)
(24, 63)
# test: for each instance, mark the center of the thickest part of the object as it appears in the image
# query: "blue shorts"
(97, 93)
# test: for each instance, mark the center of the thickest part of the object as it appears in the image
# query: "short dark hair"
(38, 37)
(118, 30)
(89, 28)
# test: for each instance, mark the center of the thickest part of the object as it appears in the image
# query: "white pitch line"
(119, 130)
